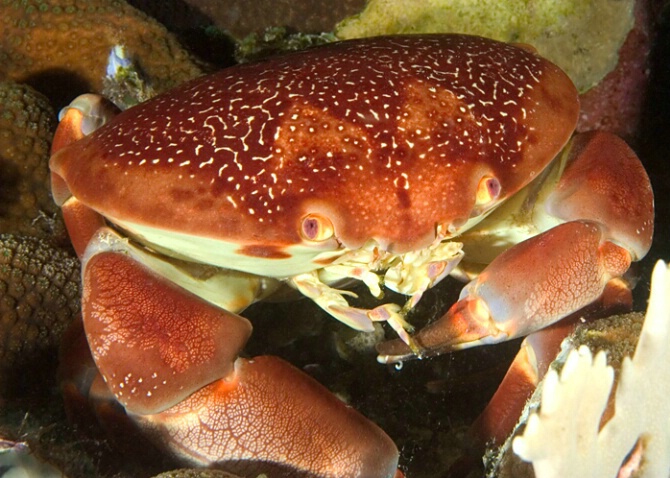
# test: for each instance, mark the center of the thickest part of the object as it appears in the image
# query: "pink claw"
(530, 286)
(171, 360)
(270, 413)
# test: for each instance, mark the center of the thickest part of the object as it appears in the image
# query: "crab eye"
(316, 228)
(488, 190)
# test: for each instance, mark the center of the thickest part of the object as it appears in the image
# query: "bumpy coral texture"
(39, 298)
(27, 123)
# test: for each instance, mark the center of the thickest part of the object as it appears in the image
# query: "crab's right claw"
(270, 416)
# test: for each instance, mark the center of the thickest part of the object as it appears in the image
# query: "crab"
(393, 161)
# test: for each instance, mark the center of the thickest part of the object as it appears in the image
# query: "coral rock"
(27, 123)
(60, 47)
(39, 298)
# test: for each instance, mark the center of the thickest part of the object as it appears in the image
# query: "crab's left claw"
(527, 288)
(523, 290)
(172, 360)
(605, 197)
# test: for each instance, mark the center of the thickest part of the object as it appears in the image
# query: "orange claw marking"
(269, 415)
(154, 342)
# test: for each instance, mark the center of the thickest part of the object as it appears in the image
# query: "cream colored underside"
(234, 280)
(224, 254)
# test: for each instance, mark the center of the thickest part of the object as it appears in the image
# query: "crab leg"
(605, 196)
(531, 363)
(83, 115)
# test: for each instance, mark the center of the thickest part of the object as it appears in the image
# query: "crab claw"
(467, 321)
(530, 286)
(268, 416)
(171, 359)
(547, 277)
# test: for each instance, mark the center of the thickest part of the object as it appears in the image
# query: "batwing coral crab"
(383, 160)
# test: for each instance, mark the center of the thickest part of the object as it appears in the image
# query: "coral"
(196, 473)
(39, 297)
(275, 40)
(17, 460)
(242, 17)
(60, 47)
(617, 335)
(566, 438)
(615, 103)
(583, 38)
(27, 123)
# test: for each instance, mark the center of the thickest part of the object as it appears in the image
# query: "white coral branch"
(564, 438)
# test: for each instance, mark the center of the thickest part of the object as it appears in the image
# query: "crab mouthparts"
(410, 273)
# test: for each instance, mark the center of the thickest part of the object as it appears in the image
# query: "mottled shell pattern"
(384, 138)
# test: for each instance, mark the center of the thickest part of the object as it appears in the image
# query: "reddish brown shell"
(386, 136)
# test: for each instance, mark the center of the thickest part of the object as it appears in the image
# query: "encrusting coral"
(27, 124)
(566, 438)
(39, 298)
